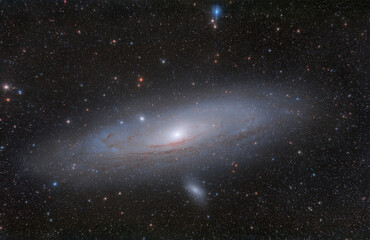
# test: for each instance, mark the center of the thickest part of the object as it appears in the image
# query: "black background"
(78, 60)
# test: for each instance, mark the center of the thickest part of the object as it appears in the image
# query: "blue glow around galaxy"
(185, 135)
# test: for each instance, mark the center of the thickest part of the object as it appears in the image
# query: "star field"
(85, 78)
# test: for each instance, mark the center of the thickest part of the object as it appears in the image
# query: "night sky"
(265, 104)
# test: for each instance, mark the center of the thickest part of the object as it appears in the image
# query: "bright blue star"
(55, 184)
(216, 11)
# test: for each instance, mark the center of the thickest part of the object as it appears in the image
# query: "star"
(216, 11)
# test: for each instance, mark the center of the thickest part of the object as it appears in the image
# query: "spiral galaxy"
(189, 133)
